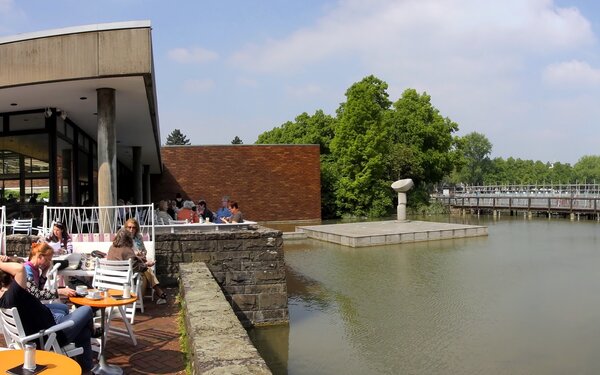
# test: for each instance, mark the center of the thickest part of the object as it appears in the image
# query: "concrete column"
(107, 148)
(147, 186)
(137, 175)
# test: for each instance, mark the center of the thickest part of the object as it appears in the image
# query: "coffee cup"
(94, 294)
(81, 290)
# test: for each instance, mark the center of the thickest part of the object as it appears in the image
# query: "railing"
(99, 224)
(549, 203)
(3, 230)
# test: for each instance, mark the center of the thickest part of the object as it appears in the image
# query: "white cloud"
(411, 30)
(192, 55)
(198, 85)
(572, 73)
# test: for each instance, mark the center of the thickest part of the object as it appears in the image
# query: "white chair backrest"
(12, 327)
(112, 274)
(22, 226)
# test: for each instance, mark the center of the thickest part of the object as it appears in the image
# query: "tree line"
(372, 142)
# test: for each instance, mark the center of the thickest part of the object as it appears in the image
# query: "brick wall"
(270, 182)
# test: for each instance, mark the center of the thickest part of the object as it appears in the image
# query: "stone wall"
(217, 343)
(247, 264)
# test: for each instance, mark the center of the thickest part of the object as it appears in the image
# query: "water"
(524, 300)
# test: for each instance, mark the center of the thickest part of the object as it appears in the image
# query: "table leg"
(102, 367)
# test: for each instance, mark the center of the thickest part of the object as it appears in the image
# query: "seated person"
(187, 212)
(123, 249)
(204, 212)
(59, 239)
(40, 261)
(236, 214)
(36, 317)
(162, 216)
(223, 211)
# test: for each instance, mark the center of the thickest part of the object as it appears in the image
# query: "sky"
(525, 73)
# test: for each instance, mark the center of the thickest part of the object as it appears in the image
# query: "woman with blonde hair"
(129, 244)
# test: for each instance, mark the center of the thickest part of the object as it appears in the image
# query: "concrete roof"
(63, 68)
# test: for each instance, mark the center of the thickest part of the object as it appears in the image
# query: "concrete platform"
(375, 233)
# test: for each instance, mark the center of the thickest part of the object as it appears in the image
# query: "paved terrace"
(158, 350)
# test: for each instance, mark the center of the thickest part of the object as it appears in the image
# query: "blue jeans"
(79, 333)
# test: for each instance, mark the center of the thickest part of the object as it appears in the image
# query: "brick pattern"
(248, 265)
(270, 182)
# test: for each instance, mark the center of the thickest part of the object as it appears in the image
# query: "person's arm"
(16, 270)
(69, 246)
(41, 294)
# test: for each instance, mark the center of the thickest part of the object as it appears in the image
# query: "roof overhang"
(69, 65)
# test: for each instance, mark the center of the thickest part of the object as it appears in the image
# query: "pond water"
(524, 300)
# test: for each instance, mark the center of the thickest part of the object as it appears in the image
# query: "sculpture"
(401, 187)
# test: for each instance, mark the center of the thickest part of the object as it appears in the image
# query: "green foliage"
(306, 129)
(587, 169)
(176, 137)
(475, 149)
(370, 144)
(237, 141)
(359, 147)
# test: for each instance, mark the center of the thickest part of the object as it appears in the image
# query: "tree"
(306, 129)
(237, 141)
(476, 149)
(359, 147)
(587, 169)
(177, 138)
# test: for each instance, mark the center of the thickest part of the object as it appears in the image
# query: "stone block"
(248, 265)
(269, 301)
(239, 277)
(266, 255)
(244, 301)
(266, 288)
(269, 276)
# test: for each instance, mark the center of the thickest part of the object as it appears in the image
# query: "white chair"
(52, 280)
(22, 226)
(15, 336)
(113, 274)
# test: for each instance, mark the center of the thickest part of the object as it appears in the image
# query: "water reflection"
(523, 300)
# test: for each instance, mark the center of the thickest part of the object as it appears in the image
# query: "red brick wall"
(269, 182)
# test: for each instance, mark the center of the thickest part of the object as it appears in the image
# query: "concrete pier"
(377, 233)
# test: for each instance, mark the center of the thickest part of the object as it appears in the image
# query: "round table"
(107, 301)
(56, 363)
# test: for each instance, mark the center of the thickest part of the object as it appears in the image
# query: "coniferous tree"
(237, 141)
(177, 138)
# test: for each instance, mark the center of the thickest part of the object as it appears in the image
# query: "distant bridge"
(565, 200)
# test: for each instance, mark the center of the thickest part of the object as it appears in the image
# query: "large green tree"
(359, 147)
(587, 169)
(476, 150)
(176, 137)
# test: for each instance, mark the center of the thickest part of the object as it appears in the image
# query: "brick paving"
(157, 350)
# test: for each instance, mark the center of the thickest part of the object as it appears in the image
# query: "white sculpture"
(401, 187)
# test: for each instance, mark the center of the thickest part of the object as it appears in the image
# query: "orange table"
(56, 363)
(107, 301)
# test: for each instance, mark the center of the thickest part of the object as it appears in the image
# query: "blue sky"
(526, 73)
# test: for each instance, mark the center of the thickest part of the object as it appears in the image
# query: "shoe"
(98, 331)
(161, 301)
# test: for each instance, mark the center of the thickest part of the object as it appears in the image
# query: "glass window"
(64, 168)
(31, 121)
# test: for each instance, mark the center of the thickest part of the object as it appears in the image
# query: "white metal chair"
(22, 226)
(112, 274)
(15, 336)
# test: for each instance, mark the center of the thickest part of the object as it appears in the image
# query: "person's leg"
(58, 310)
(155, 285)
(80, 334)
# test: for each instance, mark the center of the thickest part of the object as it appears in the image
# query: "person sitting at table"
(162, 216)
(36, 317)
(223, 211)
(204, 212)
(172, 209)
(59, 239)
(236, 214)
(187, 213)
(123, 249)
(40, 261)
